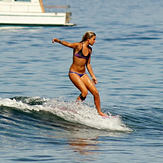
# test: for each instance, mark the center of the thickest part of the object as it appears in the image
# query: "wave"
(78, 113)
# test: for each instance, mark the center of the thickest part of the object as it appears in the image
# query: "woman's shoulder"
(78, 45)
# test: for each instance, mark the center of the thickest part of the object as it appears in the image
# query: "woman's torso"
(80, 58)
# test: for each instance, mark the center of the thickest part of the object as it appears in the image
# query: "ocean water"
(39, 119)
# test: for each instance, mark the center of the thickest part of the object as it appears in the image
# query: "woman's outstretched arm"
(65, 43)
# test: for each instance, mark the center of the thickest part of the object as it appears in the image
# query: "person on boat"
(77, 72)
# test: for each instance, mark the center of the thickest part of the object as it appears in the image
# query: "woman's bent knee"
(84, 93)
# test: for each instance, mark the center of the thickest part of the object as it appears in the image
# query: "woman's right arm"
(65, 43)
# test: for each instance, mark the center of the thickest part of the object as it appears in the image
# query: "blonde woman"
(77, 72)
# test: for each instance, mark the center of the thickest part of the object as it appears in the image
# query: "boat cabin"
(21, 6)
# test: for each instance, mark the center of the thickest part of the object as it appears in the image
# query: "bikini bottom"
(80, 75)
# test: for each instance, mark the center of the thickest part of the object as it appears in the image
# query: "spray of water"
(70, 111)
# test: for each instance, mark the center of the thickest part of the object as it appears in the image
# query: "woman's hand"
(56, 40)
(94, 80)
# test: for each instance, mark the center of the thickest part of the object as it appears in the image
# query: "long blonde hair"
(88, 35)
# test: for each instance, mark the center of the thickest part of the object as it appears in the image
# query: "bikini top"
(81, 55)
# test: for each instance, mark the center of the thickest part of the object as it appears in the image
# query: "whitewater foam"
(72, 112)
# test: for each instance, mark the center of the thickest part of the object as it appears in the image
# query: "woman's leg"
(91, 87)
(77, 81)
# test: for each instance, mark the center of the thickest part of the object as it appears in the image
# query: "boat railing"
(56, 8)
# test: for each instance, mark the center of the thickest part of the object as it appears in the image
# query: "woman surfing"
(77, 72)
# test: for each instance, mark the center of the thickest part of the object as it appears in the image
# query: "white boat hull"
(50, 19)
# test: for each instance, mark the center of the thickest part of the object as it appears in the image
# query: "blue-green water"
(39, 121)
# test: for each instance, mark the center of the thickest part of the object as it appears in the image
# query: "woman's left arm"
(90, 70)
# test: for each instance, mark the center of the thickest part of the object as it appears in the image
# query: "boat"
(32, 13)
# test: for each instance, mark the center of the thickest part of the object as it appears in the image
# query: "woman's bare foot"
(103, 114)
